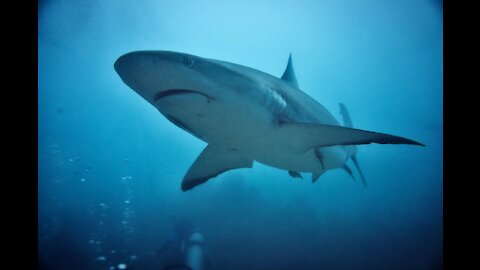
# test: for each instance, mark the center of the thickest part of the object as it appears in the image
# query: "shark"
(245, 115)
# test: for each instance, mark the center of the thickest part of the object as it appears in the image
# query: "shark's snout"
(134, 67)
(141, 64)
(126, 63)
(151, 72)
(119, 63)
(123, 67)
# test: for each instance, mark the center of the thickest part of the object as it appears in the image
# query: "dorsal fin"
(347, 122)
(289, 74)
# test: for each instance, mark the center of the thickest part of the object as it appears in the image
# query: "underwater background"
(110, 165)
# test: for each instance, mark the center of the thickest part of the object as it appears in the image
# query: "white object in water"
(194, 254)
(122, 266)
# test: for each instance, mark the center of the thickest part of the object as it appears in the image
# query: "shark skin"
(244, 115)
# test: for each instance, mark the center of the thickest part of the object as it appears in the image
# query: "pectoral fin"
(310, 136)
(211, 162)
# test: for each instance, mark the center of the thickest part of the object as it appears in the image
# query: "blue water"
(110, 166)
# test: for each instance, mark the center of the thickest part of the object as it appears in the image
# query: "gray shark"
(245, 115)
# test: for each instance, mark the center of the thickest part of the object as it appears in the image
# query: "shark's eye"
(188, 61)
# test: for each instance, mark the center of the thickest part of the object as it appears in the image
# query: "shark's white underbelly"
(249, 130)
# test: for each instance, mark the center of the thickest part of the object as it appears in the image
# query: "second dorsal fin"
(289, 73)
(347, 122)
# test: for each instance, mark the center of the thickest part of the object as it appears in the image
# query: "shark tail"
(348, 170)
(354, 159)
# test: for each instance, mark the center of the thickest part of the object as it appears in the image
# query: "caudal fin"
(348, 170)
(354, 159)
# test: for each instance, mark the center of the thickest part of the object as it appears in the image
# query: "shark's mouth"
(176, 92)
